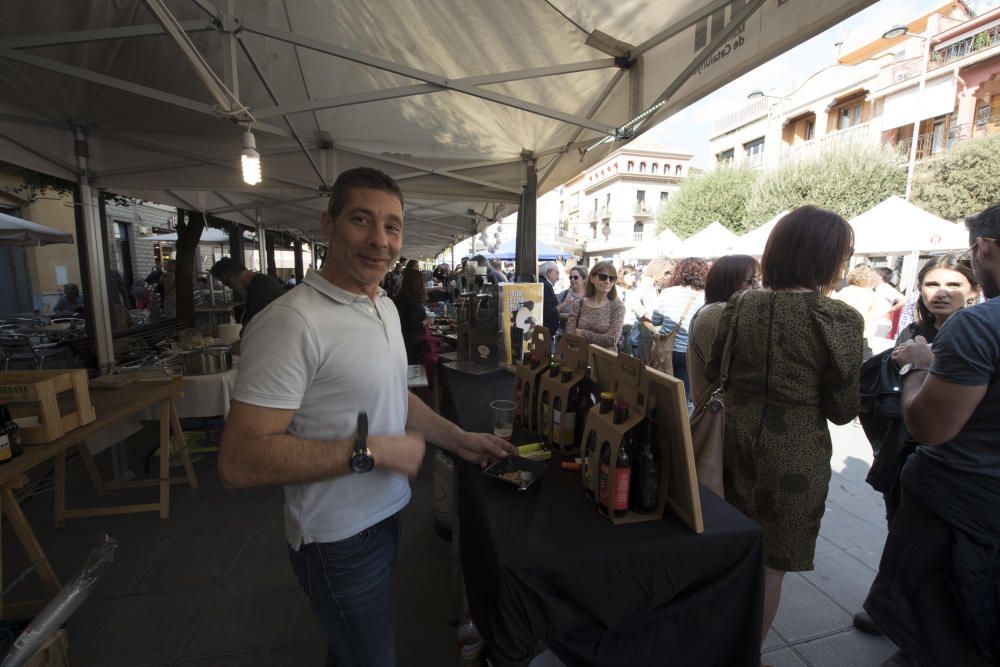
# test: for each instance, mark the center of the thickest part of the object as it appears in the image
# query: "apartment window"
(810, 129)
(631, 165)
(664, 196)
(640, 196)
(637, 232)
(642, 167)
(848, 116)
(653, 167)
(725, 157)
(677, 169)
(754, 152)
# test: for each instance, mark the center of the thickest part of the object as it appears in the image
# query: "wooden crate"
(37, 394)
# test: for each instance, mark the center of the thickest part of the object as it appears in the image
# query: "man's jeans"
(349, 584)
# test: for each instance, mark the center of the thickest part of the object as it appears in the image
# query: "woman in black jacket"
(410, 300)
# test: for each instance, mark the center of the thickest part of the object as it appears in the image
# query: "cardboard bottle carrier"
(526, 380)
(573, 352)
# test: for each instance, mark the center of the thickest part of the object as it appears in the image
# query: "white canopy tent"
(897, 227)
(473, 107)
(658, 246)
(753, 242)
(713, 241)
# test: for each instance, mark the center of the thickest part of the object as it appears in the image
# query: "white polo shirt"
(328, 354)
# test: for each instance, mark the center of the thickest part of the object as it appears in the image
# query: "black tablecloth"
(468, 389)
(542, 564)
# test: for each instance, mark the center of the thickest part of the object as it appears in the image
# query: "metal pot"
(193, 362)
(218, 358)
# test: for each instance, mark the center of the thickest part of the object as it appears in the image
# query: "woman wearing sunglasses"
(599, 315)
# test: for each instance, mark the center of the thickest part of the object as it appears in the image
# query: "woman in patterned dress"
(796, 362)
(599, 315)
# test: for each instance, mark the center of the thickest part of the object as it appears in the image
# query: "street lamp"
(900, 31)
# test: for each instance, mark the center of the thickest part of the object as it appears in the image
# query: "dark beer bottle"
(13, 431)
(623, 468)
(585, 469)
(6, 451)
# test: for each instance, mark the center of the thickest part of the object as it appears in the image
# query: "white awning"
(754, 241)
(938, 99)
(897, 227)
(453, 99)
(713, 241)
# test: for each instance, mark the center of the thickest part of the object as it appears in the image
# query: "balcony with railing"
(642, 211)
(862, 134)
(605, 213)
(940, 140)
(982, 40)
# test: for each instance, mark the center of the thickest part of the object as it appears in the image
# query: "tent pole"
(261, 243)
(526, 249)
(98, 303)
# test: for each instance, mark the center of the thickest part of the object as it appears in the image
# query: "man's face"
(984, 270)
(364, 240)
(552, 275)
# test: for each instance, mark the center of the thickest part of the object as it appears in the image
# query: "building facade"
(871, 96)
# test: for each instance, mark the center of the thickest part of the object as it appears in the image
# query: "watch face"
(362, 461)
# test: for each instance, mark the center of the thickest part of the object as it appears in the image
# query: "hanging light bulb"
(250, 159)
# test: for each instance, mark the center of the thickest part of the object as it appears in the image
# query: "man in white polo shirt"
(321, 406)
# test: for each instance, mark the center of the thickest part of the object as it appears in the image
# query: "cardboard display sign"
(561, 407)
(526, 377)
(520, 314)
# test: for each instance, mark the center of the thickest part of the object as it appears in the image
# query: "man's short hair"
(227, 267)
(360, 177)
(984, 224)
(548, 266)
(885, 272)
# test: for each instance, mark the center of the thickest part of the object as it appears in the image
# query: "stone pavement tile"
(848, 531)
(870, 556)
(429, 645)
(304, 627)
(422, 594)
(782, 657)
(868, 507)
(146, 629)
(265, 556)
(843, 578)
(805, 612)
(193, 561)
(825, 546)
(772, 641)
(307, 654)
(229, 514)
(267, 658)
(244, 617)
(841, 488)
(847, 648)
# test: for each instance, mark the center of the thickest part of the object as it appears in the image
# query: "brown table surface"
(110, 405)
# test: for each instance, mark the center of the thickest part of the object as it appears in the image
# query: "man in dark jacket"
(549, 273)
(938, 583)
(257, 289)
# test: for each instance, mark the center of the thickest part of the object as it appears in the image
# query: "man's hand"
(401, 453)
(917, 352)
(482, 447)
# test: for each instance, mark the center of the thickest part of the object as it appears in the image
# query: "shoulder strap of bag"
(687, 308)
(727, 349)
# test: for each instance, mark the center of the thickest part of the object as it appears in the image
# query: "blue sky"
(689, 129)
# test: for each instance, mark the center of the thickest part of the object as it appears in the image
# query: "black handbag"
(881, 417)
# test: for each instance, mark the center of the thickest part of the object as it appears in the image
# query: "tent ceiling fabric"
(449, 97)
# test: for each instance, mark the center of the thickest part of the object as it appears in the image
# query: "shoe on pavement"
(866, 624)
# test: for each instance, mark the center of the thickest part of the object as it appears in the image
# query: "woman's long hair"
(412, 286)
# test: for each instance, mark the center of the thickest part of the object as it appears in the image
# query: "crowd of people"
(315, 412)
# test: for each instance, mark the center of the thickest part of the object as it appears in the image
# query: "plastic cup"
(503, 418)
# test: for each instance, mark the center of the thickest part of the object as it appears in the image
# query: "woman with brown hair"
(410, 300)
(795, 365)
(599, 315)
(676, 306)
(728, 276)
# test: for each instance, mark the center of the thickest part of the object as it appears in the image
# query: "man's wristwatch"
(362, 459)
(909, 368)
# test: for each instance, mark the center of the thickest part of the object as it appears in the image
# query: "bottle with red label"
(623, 470)
(589, 485)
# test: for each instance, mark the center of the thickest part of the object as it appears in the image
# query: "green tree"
(720, 194)
(961, 182)
(849, 180)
